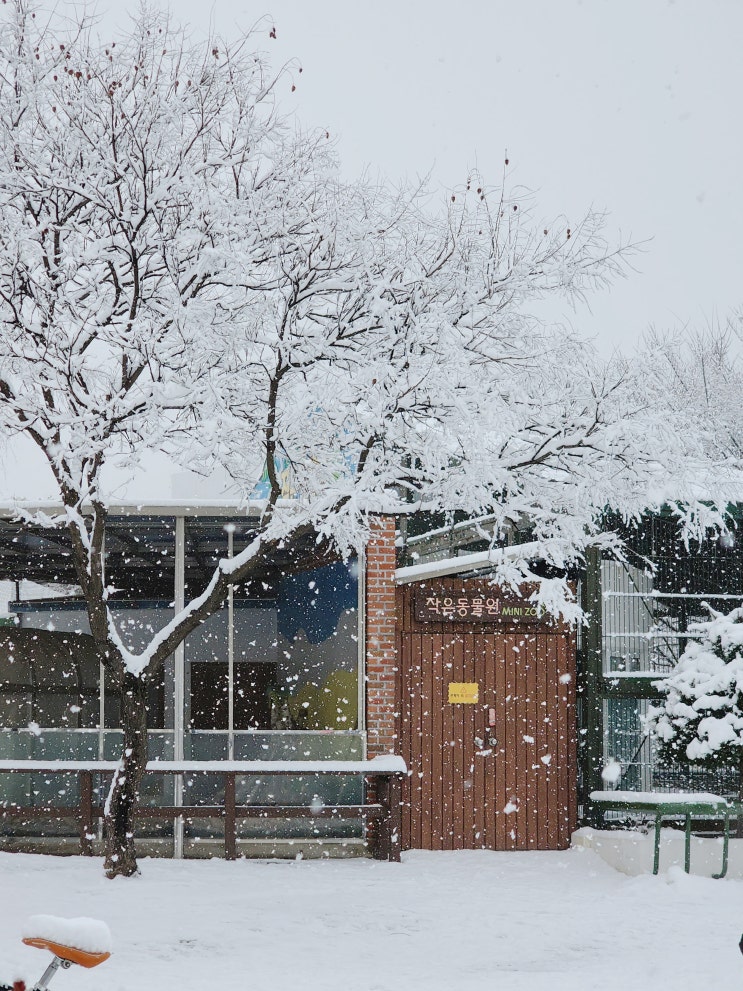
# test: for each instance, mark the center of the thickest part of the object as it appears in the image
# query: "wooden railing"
(383, 775)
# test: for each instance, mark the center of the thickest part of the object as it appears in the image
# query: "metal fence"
(627, 742)
(648, 615)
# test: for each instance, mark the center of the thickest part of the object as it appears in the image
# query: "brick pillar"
(381, 648)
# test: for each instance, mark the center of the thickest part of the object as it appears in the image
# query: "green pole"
(592, 729)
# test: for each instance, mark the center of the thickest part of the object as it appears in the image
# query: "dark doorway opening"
(209, 695)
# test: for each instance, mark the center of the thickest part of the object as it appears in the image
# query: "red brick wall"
(381, 647)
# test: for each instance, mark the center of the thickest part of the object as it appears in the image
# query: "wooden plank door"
(500, 773)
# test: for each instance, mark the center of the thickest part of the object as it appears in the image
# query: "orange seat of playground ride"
(71, 953)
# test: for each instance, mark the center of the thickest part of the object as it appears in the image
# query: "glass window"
(48, 664)
(294, 647)
(317, 675)
(210, 652)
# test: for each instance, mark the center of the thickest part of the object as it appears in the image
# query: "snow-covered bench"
(671, 805)
(383, 773)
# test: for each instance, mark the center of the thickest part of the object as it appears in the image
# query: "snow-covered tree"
(700, 720)
(144, 183)
(181, 270)
(703, 379)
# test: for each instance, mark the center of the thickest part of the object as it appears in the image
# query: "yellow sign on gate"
(464, 693)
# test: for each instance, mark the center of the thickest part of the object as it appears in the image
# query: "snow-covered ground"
(438, 921)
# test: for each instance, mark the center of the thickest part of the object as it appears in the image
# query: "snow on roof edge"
(466, 562)
(136, 507)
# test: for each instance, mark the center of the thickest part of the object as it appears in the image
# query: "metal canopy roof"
(140, 556)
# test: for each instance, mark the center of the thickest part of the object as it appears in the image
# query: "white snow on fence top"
(89, 935)
(658, 798)
(388, 764)
(479, 561)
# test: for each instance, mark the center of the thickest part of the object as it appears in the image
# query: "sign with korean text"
(475, 607)
(464, 693)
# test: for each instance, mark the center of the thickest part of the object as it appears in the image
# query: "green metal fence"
(642, 611)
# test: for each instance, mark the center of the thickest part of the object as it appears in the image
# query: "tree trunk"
(123, 797)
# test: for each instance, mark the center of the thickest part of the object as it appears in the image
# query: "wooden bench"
(671, 805)
(385, 775)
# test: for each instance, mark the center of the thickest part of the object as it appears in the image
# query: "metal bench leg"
(656, 853)
(725, 839)
(687, 846)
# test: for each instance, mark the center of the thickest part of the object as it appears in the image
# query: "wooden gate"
(486, 703)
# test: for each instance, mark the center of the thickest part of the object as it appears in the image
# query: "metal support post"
(180, 682)
(592, 730)
(230, 528)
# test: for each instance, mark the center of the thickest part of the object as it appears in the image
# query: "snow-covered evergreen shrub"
(700, 720)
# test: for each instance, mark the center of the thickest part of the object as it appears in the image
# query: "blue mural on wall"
(314, 600)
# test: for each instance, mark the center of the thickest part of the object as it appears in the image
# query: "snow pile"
(89, 935)
(469, 921)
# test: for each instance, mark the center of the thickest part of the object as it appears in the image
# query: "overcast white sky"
(628, 106)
